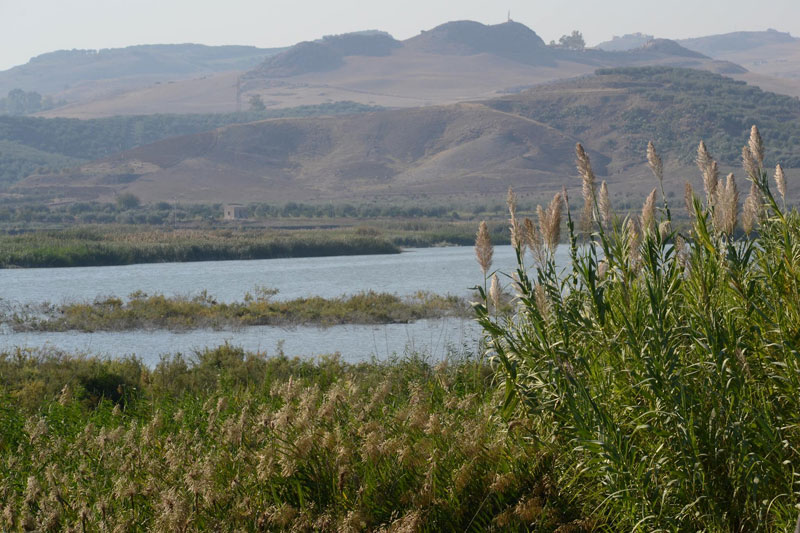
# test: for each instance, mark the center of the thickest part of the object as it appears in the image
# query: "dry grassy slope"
(406, 78)
(436, 150)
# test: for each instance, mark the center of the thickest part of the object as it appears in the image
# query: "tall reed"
(666, 363)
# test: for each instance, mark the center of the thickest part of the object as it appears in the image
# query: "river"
(447, 270)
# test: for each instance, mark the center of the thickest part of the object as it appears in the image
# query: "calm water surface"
(450, 270)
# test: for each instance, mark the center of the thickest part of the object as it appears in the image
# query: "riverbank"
(143, 311)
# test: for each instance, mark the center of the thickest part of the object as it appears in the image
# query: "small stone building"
(235, 212)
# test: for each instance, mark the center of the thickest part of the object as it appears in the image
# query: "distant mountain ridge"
(132, 66)
(715, 45)
(625, 42)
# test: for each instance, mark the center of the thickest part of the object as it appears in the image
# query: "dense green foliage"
(19, 102)
(141, 311)
(28, 144)
(670, 106)
(228, 441)
(24, 215)
(100, 245)
(111, 246)
(667, 363)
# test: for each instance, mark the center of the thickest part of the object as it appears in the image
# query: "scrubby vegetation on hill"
(619, 110)
(29, 144)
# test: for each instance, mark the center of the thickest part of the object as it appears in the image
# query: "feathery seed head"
(750, 164)
(703, 158)
(588, 185)
(604, 205)
(553, 222)
(727, 207)
(780, 181)
(750, 210)
(756, 145)
(688, 198)
(483, 248)
(664, 229)
(494, 292)
(511, 201)
(654, 162)
(649, 213)
(532, 238)
(542, 302)
(632, 234)
(708, 167)
(602, 269)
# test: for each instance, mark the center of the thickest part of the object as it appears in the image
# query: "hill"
(773, 56)
(619, 110)
(723, 44)
(431, 150)
(454, 62)
(29, 144)
(525, 140)
(625, 42)
(78, 75)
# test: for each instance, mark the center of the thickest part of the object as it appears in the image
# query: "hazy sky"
(32, 27)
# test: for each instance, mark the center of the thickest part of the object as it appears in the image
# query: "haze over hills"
(85, 74)
(454, 62)
(525, 140)
(771, 57)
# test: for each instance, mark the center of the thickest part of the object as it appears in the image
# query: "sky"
(32, 27)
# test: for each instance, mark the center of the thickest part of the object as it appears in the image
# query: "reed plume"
(483, 248)
(511, 202)
(588, 186)
(756, 145)
(649, 213)
(494, 292)
(654, 162)
(780, 181)
(664, 229)
(550, 223)
(688, 199)
(517, 237)
(751, 208)
(749, 164)
(632, 236)
(726, 213)
(710, 171)
(533, 239)
(604, 205)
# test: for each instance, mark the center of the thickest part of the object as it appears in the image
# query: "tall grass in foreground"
(229, 441)
(664, 364)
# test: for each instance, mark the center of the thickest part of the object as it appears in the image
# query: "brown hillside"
(525, 139)
(437, 150)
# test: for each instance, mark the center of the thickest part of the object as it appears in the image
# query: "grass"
(104, 246)
(665, 363)
(110, 244)
(230, 441)
(141, 311)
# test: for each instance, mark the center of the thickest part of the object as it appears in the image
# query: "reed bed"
(229, 441)
(105, 246)
(663, 363)
(142, 311)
